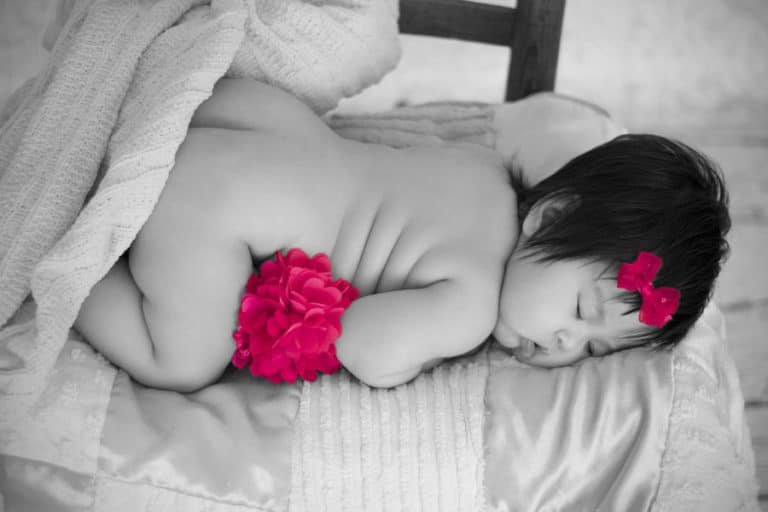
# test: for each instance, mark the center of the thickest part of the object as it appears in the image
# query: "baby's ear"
(545, 212)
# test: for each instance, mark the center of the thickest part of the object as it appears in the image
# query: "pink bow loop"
(658, 306)
(658, 303)
(640, 273)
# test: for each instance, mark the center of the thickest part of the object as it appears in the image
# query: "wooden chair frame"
(531, 30)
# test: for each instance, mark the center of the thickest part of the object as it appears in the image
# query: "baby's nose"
(565, 340)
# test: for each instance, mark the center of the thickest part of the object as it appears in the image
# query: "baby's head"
(636, 193)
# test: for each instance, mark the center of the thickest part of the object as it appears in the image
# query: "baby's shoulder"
(476, 270)
(478, 277)
(473, 177)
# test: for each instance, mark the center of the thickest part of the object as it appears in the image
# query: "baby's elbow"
(379, 380)
(374, 374)
(376, 382)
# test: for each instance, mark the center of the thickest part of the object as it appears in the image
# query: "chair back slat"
(458, 19)
(533, 63)
(531, 30)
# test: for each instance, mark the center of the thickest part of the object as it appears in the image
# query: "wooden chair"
(531, 30)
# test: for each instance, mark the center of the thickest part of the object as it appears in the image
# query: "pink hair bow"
(658, 303)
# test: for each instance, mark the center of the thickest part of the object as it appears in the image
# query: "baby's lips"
(525, 350)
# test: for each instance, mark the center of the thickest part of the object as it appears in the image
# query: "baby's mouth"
(526, 349)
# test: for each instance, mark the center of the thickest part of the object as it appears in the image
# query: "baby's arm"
(388, 338)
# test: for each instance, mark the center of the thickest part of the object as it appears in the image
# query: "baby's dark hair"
(636, 193)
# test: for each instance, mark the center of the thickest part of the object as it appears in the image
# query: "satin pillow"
(635, 430)
(585, 437)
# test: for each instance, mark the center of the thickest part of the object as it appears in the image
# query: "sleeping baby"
(619, 248)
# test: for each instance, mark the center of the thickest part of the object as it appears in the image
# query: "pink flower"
(290, 318)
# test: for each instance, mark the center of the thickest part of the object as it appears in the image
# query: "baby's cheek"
(504, 335)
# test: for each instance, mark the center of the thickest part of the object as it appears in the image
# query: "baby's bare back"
(389, 220)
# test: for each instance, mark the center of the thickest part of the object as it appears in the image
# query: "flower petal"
(289, 373)
(289, 318)
(321, 294)
(270, 268)
(297, 257)
(321, 262)
(241, 358)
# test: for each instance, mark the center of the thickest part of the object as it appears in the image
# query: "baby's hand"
(389, 338)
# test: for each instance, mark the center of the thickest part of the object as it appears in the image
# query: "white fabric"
(416, 447)
(539, 133)
(708, 464)
(64, 426)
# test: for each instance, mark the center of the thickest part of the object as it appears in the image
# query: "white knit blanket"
(112, 107)
(416, 447)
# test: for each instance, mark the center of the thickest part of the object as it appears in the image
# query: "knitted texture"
(708, 464)
(107, 115)
(431, 124)
(417, 447)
